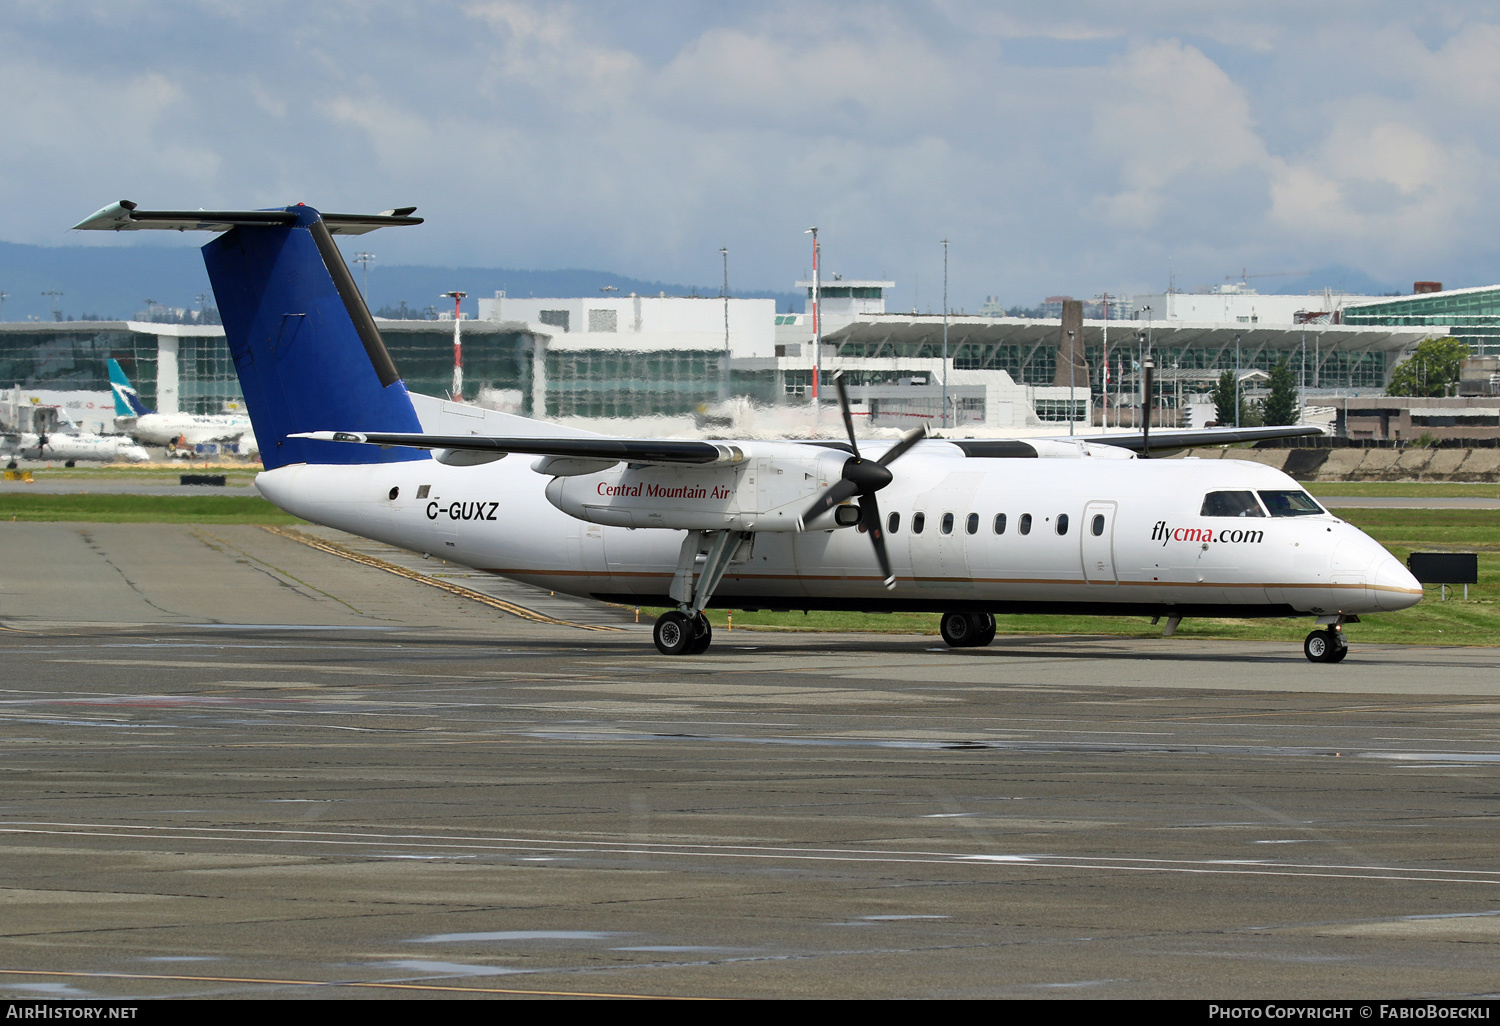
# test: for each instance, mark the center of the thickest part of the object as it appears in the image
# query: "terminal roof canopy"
(1164, 336)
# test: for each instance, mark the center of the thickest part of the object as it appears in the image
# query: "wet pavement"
(237, 765)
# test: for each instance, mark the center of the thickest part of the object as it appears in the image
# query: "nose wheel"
(1325, 646)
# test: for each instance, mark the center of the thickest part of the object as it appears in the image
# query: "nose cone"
(1395, 587)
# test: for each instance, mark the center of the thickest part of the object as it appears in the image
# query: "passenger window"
(918, 521)
(947, 523)
(1230, 504)
(999, 523)
(1098, 525)
(1290, 504)
(972, 524)
(893, 523)
(1062, 523)
(1025, 523)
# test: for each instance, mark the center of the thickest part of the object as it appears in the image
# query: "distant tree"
(1282, 401)
(1430, 370)
(1222, 395)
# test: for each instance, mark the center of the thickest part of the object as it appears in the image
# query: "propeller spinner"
(863, 478)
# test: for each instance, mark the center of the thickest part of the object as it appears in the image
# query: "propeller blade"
(898, 450)
(869, 518)
(837, 492)
(838, 383)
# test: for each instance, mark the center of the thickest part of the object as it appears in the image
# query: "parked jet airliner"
(144, 424)
(964, 528)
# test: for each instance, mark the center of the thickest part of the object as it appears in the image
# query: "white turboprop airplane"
(71, 448)
(48, 441)
(967, 529)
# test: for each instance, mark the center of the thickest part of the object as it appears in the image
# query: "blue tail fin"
(127, 399)
(307, 351)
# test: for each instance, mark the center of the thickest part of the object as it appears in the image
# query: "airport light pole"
(945, 333)
(1104, 413)
(56, 308)
(3, 297)
(817, 368)
(363, 259)
(1140, 361)
(724, 252)
(1236, 379)
(458, 351)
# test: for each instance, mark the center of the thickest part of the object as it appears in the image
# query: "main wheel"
(703, 636)
(984, 629)
(673, 633)
(958, 629)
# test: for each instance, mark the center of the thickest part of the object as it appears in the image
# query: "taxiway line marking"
(348, 983)
(411, 575)
(1224, 867)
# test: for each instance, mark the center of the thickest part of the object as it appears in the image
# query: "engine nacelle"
(761, 493)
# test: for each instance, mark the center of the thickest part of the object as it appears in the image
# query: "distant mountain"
(109, 281)
(114, 282)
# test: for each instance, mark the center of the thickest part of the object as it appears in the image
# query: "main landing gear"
(968, 630)
(701, 564)
(676, 633)
(1327, 645)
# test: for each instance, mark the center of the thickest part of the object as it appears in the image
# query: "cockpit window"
(1290, 504)
(1230, 504)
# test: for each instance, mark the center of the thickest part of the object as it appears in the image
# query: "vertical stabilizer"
(127, 399)
(307, 351)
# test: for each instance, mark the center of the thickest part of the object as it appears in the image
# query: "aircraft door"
(939, 559)
(1098, 543)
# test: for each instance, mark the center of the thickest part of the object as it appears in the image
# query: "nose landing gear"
(1326, 646)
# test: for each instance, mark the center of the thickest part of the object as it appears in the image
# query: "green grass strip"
(143, 509)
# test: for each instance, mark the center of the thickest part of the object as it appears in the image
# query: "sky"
(1060, 147)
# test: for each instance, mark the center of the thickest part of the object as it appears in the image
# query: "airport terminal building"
(612, 357)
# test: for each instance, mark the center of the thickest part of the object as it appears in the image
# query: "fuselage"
(87, 447)
(195, 429)
(1000, 535)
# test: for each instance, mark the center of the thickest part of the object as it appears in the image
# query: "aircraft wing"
(1168, 439)
(126, 216)
(630, 450)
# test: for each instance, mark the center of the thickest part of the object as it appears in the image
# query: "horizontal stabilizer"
(126, 216)
(1163, 440)
(629, 450)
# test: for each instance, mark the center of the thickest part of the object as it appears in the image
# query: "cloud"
(1166, 116)
(1063, 147)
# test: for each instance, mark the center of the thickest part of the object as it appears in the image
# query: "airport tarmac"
(238, 765)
